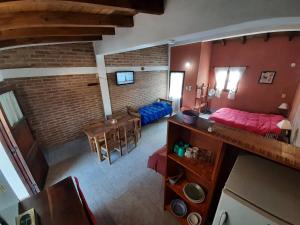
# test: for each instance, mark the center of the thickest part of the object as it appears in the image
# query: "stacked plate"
(178, 207)
(194, 192)
(194, 219)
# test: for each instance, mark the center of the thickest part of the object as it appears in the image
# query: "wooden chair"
(138, 127)
(111, 143)
(128, 134)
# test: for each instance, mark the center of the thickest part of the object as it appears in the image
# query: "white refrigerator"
(259, 192)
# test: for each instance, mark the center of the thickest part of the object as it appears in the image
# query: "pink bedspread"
(158, 161)
(254, 122)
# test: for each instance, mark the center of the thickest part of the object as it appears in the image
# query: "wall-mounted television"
(124, 77)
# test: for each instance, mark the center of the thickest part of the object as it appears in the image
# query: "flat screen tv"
(124, 77)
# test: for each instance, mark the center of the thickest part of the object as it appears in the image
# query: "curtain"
(235, 74)
(11, 108)
(221, 75)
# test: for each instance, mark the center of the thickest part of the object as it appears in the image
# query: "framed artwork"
(267, 77)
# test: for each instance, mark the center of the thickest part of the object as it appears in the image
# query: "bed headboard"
(165, 100)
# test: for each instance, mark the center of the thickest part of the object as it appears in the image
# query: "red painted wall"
(204, 63)
(277, 54)
(179, 56)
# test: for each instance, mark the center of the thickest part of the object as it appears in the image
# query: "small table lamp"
(283, 109)
(286, 126)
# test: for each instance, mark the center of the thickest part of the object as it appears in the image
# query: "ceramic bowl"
(178, 207)
(194, 218)
(190, 116)
(114, 121)
(194, 192)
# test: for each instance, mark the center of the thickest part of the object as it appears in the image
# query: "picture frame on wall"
(267, 77)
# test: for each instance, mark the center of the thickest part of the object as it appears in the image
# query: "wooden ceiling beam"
(267, 37)
(147, 6)
(54, 32)
(46, 40)
(291, 35)
(62, 19)
(223, 41)
(243, 39)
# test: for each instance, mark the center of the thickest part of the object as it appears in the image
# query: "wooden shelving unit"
(201, 172)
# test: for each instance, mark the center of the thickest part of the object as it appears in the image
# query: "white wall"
(7, 195)
(103, 84)
(295, 137)
(196, 20)
(11, 175)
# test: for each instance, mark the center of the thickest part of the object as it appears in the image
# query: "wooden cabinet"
(200, 171)
(58, 204)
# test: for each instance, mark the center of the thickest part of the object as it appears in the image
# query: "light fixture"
(286, 129)
(187, 65)
(284, 124)
(283, 106)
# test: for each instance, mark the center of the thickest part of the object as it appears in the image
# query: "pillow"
(162, 104)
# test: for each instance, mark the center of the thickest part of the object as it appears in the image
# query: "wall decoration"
(267, 77)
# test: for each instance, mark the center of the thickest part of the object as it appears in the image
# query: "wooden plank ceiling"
(24, 22)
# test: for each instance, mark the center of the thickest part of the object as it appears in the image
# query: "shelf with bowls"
(199, 174)
(178, 189)
(202, 170)
(181, 220)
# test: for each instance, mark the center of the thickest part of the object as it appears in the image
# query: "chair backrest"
(112, 138)
(137, 123)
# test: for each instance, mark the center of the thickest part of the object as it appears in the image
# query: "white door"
(232, 210)
(176, 87)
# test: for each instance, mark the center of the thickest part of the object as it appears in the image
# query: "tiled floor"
(125, 193)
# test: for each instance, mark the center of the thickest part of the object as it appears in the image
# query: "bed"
(158, 161)
(259, 123)
(152, 112)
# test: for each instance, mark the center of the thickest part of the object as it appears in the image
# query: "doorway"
(176, 89)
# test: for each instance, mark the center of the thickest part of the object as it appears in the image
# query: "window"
(227, 78)
(221, 77)
(176, 83)
(11, 108)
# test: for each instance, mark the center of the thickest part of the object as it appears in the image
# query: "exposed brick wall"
(147, 88)
(154, 56)
(62, 55)
(59, 107)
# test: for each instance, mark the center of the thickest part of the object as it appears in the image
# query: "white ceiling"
(186, 21)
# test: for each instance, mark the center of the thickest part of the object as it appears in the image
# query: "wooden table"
(57, 205)
(97, 130)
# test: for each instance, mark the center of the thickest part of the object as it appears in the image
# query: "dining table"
(97, 130)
